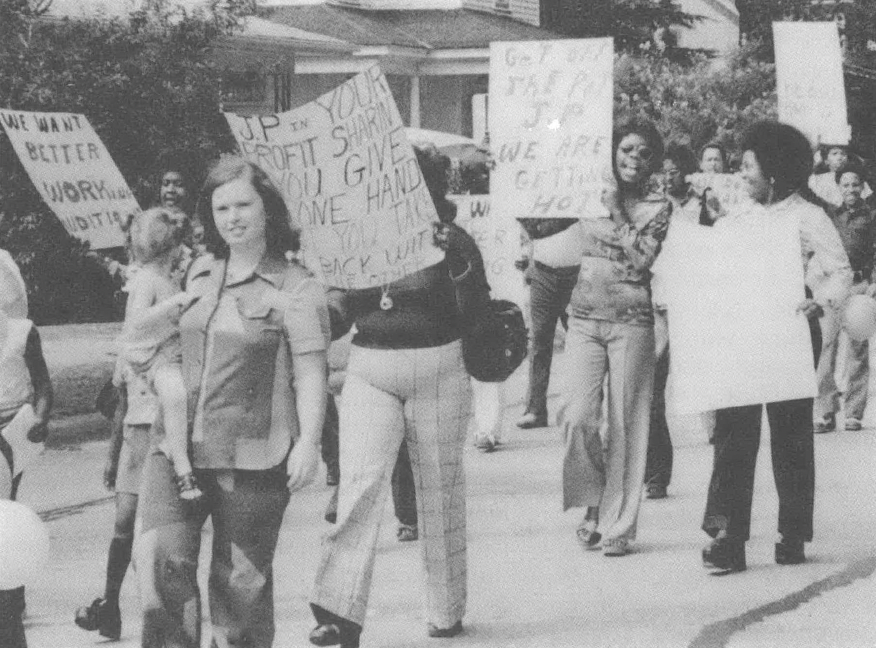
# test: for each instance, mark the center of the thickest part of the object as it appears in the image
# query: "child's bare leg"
(171, 390)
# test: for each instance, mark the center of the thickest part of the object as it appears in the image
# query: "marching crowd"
(225, 397)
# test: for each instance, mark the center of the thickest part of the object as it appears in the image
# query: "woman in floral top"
(611, 332)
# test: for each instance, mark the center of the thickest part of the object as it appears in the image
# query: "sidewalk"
(530, 584)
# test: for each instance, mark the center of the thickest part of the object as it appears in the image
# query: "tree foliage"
(632, 23)
(757, 16)
(699, 103)
(145, 85)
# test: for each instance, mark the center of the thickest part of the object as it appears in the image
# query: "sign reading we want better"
(73, 172)
(351, 181)
(550, 116)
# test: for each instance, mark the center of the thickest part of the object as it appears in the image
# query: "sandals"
(587, 534)
(825, 424)
(615, 547)
(188, 488)
(407, 533)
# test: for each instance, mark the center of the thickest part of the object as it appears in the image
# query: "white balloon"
(859, 317)
(24, 544)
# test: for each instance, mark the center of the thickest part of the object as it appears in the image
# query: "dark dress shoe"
(789, 551)
(100, 616)
(445, 633)
(331, 509)
(655, 491)
(86, 617)
(330, 634)
(333, 630)
(725, 556)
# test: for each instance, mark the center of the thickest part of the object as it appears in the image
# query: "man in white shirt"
(552, 273)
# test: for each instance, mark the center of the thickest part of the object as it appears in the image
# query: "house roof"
(424, 28)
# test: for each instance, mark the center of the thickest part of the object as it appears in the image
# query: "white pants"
(489, 404)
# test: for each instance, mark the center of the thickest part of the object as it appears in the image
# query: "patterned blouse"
(614, 280)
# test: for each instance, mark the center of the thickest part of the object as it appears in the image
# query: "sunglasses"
(644, 152)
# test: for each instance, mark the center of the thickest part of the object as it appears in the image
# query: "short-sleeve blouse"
(237, 360)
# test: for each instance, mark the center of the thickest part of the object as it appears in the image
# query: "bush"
(146, 87)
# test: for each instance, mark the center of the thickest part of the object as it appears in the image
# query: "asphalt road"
(530, 584)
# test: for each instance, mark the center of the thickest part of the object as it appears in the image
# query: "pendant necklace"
(385, 299)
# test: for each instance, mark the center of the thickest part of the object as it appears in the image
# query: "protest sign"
(351, 181)
(729, 189)
(73, 172)
(498, 239)
(550, 127)
(732, 293)
(809, 80)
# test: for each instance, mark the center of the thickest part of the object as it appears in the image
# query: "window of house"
(242, 87)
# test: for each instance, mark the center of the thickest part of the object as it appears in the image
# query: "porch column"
(415, 102)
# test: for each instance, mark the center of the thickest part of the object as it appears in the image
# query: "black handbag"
(497, 344)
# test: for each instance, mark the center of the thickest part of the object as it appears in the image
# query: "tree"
(699, 103)
(632, 23)
(857, 20)
(146, 86)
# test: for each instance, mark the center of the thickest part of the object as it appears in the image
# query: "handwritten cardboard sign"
(550, 127)
(73, 172)
(351, 181)
(809, 80)
(729, 188)
(498, 239)
(732, 293)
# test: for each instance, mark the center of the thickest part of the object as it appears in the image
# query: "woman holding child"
(254, 331)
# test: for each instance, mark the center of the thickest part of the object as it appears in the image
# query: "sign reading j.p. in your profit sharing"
(550, 122)
(351, 181)
(73, 172)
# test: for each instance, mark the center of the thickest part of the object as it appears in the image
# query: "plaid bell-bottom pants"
(422, 396)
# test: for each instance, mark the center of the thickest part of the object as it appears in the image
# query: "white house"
(718, 30)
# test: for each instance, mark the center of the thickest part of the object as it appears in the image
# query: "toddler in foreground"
(150, 339)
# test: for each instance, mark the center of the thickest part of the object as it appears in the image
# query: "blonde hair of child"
(153, 233)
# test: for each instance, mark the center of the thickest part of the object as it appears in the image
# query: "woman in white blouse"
(775, 168)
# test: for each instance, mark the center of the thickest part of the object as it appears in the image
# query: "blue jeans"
(247, 508)
(549, 292)
(609, 477)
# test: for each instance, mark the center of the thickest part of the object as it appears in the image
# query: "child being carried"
(150, 339)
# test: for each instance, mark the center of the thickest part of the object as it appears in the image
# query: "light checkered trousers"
(423, 396)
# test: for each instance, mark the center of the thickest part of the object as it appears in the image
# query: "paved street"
(531, 585)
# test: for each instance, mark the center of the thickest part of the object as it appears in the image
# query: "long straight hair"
(280, 236)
